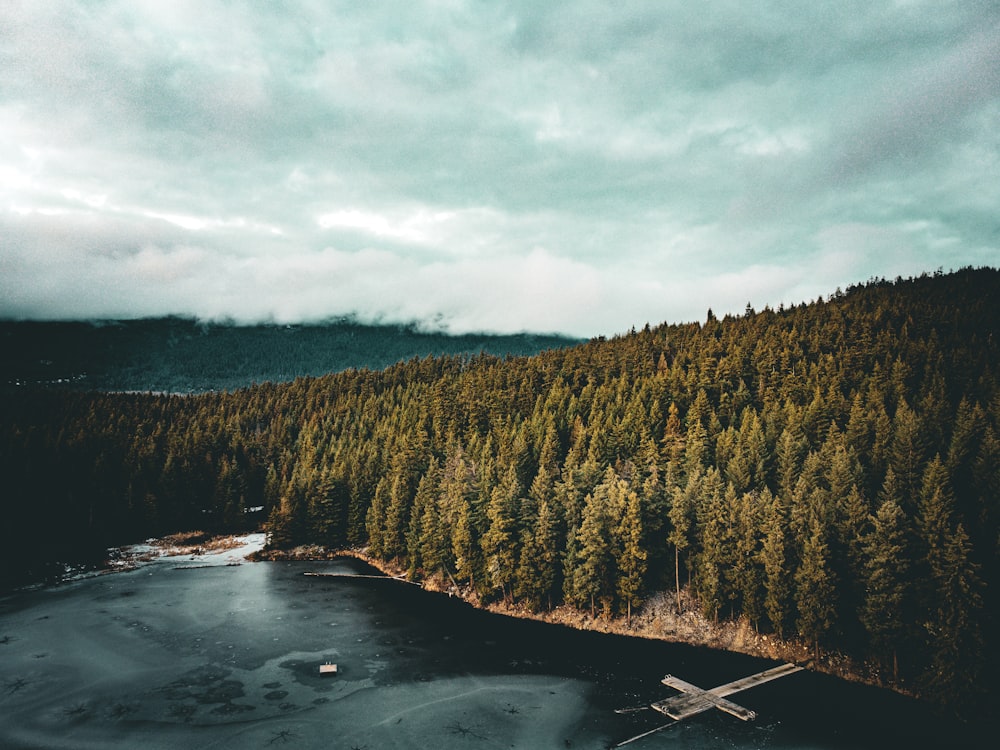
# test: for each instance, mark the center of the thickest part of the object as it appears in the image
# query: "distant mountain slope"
(182, 355)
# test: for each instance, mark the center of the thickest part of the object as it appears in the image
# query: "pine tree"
(655, 517)
(696, 456)
(747, 573)
(397, 517)
(673, 437)
(424, 539)
(468, 563)
(791, 453)
(631, 552)
(327, 510)
(375, 523)
(956, 641)
(935, 510)
(907, 454)
(753, 442)
(814, 588)
(682, 515)
(593, 575)
(859, 433)
(714, 530)
(887, 582)
(229, 494)
(777, 578)
(288, 522)
(500, 543)
(536, 571)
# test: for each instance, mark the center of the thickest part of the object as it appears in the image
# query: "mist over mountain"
(185, 355)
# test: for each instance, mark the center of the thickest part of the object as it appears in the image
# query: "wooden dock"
(694, 700)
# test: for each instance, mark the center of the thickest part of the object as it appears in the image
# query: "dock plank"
(695, 700)
(689, 704)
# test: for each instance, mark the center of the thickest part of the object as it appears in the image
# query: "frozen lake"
(201, 653)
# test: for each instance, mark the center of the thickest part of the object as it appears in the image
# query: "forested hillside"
(183, 355)
(829, 470)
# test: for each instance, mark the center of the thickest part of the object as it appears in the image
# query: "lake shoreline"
(657, 619)
(655, 622)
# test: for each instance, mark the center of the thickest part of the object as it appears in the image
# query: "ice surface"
(201, 652)
(177, 654)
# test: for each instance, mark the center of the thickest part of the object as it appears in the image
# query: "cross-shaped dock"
(694, 699)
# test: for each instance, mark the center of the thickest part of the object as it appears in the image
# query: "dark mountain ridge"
(184, 355)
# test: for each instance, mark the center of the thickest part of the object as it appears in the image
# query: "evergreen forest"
(829, 471)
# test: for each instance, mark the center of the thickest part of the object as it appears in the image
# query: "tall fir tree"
(501, 541)
(954, 631)
(814, 588)
(538, 566)
(631, 550)
(776, 563)
(682, 518)
(887, 583)
(593, 580)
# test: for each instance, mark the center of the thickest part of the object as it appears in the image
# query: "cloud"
(924, 111)
(581, 166)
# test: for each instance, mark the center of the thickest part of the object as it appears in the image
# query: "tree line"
(828, 471)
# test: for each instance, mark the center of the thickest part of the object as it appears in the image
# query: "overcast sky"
(579, 167)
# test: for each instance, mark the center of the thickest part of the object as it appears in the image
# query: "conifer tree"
(459, 520)
(887, 573)
(229, 495)
(500, 544)
(968, 426)
(397, 517)
(593, 575)
(570, 563)
(631, 552)
(375, 523)
(890, 490)
(956, 642)
(696, 457)
(327, 510)
(791, 452)
(673, 437)
(714, 530)
(814, 588)
(682, 515)
(732, 459)
(655, 517)
(935, 510)
(907, 454)
(463, 543)
(746, 572)
(753, 442)
(537, 569)
(291, 520)
(423, 537)
(859, 432)
(776, 563)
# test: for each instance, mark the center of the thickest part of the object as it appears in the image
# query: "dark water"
(175, 656)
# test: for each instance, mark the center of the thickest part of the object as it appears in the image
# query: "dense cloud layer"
(561, 166)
